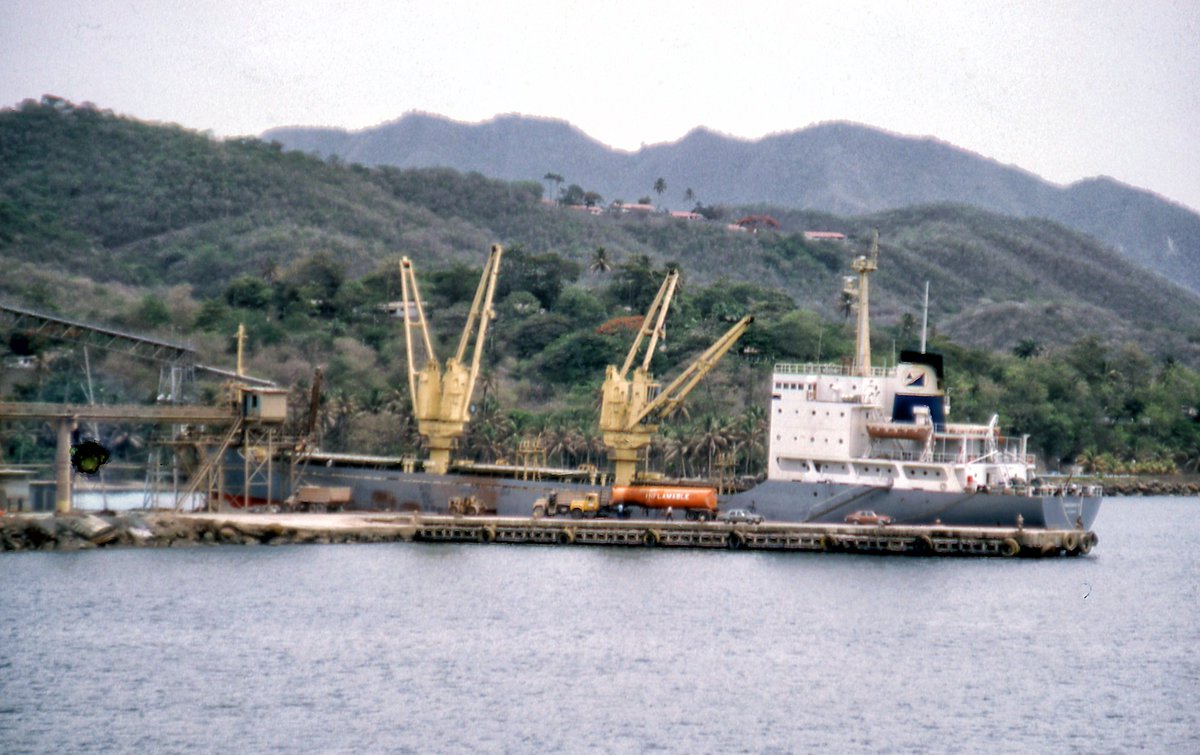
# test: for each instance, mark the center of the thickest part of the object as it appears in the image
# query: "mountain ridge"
(837, 166)
(122, 201)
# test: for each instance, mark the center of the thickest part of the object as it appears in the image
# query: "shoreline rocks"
(86, 531)
(1147, 486)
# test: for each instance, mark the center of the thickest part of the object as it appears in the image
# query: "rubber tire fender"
(1070, 542)
(923, 545)
(735, 541)
(1009, 547)
(1086, 541)
(651, 538)
(566, 536)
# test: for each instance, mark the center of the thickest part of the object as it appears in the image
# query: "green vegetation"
(166, 232)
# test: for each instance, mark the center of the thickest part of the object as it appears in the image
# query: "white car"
(736, 516)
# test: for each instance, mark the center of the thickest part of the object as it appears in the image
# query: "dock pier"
(922, 540)
(173, 529)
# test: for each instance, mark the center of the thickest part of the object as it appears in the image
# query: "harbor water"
(418, 647)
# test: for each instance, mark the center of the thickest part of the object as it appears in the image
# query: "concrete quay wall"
(72, 532)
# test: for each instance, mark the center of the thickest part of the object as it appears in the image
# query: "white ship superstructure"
(885, 428)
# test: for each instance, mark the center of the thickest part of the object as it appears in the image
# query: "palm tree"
(689, 196)
(336, 414)
(593, 444)
(376, 400)
(600, 261)
(674, 451)
(575, 444)
(711, 436)
(749, 436)
(550, 439)
(660, 185)
(1027, 349)
(556, 178)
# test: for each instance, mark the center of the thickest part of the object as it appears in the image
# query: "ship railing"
(812, 368)
(1000, 457)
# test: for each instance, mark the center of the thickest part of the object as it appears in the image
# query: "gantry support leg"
(62, 466)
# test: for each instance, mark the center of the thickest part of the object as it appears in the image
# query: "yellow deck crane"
(629, 404)
(441, 396)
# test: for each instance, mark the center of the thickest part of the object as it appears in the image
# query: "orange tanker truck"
(696, 503)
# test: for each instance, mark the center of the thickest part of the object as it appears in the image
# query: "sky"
(1064, 89)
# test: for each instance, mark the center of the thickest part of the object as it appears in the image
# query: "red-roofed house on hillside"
(754, 223)
(824, 236)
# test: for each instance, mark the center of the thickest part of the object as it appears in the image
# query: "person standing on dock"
(670, 513)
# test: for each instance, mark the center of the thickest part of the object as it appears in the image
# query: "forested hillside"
(841, 168)
(167, 232)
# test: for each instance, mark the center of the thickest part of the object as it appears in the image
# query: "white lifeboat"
(899, 431)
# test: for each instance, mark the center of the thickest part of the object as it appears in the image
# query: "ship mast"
(864, 266)
(925, 318)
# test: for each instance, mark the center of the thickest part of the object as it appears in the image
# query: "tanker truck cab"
(554, 504)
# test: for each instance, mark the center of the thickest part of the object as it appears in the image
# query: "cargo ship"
(840, 443)
(844, 439)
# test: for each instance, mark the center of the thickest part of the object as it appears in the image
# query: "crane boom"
(659, 307)
(410, 297)
(669, 399)
(629, 405)
(441, 396)
(481, 314)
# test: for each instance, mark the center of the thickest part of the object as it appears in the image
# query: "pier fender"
(923, 544)
(651, 537)
(566, 536)
(735, 541)
(1086, 541)
(1070, 542)
(1009, 547)
(487, 534)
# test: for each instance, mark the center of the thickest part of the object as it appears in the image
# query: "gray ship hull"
(389, 489)
(831, 503)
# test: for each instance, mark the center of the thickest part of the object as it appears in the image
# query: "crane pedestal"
(439, 455)
(624, 451)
